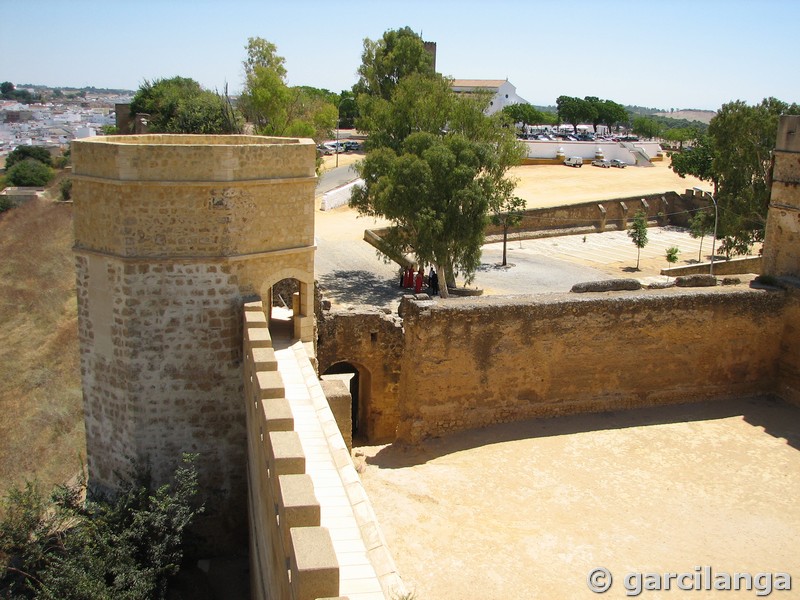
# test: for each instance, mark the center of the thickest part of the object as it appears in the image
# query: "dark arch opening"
(281, 312)
(352, 378)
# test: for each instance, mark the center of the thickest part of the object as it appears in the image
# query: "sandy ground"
(527, 510)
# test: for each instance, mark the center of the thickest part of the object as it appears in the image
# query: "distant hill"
(704, 116)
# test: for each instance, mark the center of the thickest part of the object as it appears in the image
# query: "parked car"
(324, 150)
(573, 161)
(601, 162)
(350, 145)
(332, 146)
(615, 162)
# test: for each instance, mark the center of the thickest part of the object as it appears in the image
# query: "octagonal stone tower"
(172, 232)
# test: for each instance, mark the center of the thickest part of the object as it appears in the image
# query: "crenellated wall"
(313, 531)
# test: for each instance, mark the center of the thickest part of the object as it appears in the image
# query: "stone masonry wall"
(491, 360)
(372, 342)
(172, 233)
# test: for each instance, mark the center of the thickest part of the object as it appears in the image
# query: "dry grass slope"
(41, 432)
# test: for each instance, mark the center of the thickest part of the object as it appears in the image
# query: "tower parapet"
(172, 232)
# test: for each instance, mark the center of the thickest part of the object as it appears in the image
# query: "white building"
(504, 92)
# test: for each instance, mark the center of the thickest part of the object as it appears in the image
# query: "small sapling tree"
(672, 256)
(638, 233)
(700, 225)
(508, 214)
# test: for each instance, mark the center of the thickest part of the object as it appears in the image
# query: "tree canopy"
(276, 109)
(435, 163)
(180, 105)
(590, 109)
(736, 156)
(21, 153)
(29, 173)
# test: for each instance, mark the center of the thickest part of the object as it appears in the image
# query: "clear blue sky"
(670, 53)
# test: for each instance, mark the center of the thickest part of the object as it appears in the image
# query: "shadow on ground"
(777, 418)
(361, 287)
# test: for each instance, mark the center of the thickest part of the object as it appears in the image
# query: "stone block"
(285, 453)
(264, 359)
(608, 285)
(696, 281)
(254, 318)
(277, 414)
(258, 337)
(269, 384)
(313, 564)
(297, 504)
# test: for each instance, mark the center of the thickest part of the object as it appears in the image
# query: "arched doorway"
(282, 307)
(356, 378)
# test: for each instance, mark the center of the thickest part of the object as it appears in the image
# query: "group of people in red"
(416, 279)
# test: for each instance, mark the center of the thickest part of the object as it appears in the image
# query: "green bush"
(22, 153)
(124, 548)
(29, 173)
(66, 189)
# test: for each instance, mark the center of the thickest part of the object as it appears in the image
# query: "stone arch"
(300, 306)
(360, 385)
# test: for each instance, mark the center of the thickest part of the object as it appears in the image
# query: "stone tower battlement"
(172, 233)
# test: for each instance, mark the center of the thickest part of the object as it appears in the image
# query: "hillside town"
(55, 123)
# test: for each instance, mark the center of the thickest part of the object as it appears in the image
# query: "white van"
(573, 161)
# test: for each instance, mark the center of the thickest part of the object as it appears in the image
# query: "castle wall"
(496, 359)
(172, 233)
(372, 342)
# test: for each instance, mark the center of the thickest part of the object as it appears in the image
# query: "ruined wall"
(373, 342)
(601, 216)
(171, 233)
(497, 359)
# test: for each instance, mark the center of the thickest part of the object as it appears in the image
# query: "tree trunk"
(505, 239)
(700, 252)
(442, 273)
(638, 254)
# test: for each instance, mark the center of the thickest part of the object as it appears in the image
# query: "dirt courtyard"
(527, 510)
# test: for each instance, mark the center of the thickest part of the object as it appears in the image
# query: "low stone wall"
(596, 216)
(734, 266)
(496, 359)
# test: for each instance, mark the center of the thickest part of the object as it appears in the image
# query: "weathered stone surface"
(607, 285)
(696, 281)
(468, 364)
(173, 236)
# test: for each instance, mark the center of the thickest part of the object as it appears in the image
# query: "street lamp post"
(716, 215)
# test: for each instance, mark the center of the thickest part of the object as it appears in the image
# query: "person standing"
(420, 279)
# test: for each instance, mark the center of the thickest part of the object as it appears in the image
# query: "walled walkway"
(526, 510)
(366, 569)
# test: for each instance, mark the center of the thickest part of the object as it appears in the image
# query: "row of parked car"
(581, 137)
(577, 161)
(338, 147)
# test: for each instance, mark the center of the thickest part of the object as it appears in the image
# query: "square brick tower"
(172, 232)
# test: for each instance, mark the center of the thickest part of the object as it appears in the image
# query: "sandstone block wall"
(171, 234)
(492, 360)
(373, 343)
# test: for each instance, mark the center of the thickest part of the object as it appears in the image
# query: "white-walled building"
(504, 91)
